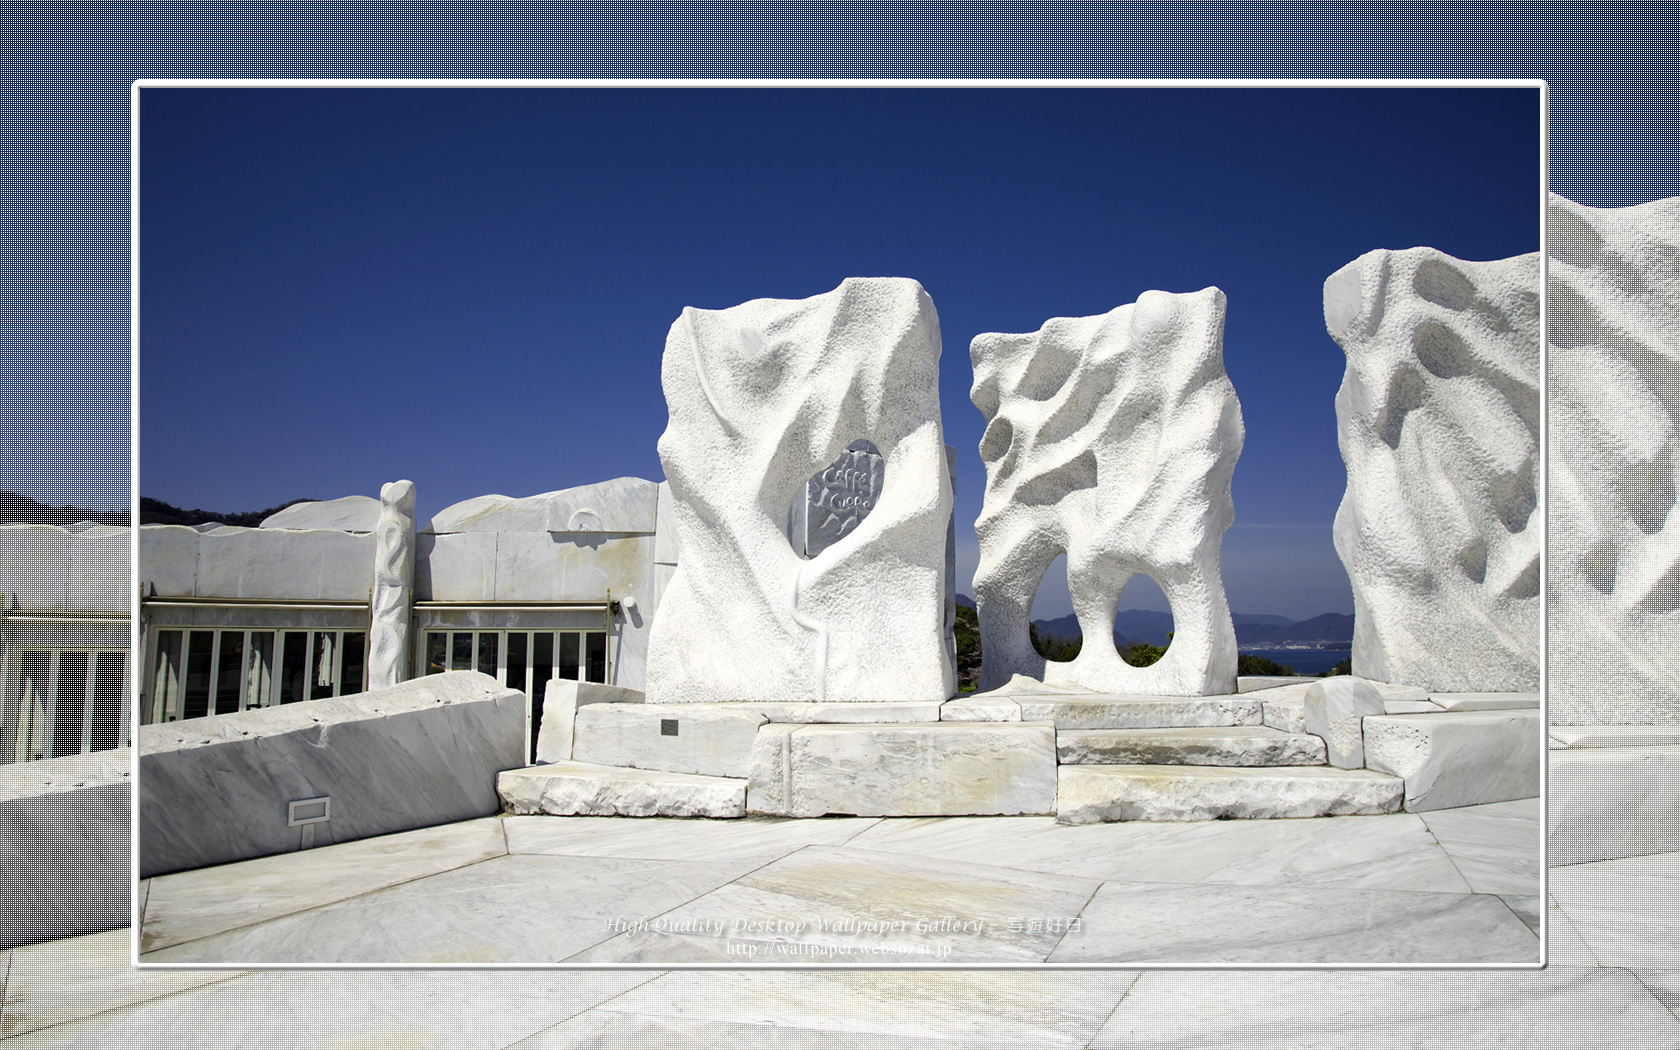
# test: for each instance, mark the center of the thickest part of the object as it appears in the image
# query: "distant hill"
(16, 509)
(1327, 627)
(1253, 629)
(157, 512)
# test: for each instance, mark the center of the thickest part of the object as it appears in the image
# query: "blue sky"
(470, 287)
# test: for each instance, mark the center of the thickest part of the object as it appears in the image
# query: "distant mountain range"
(1254, 630)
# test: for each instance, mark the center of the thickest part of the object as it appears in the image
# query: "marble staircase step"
(586, 789)
(1091, 794)
(1195, 746)
(1098, 711)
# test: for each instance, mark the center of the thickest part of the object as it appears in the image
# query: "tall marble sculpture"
(1112, 439)
(393, 586)
(1438, 420)
(1613, 463)
(762, 396)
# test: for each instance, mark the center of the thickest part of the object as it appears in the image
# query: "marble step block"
(1614, 736)
(1098, 794)
(583, 789)
(712, 740)
(936, 769)
(1610, 802)
(561, 700)
(1485, 701)
(982, 708)
(807, 711)
(1285, 709)
(1206, 746)
(1099, 711)
(1458, 758)
(425, 752)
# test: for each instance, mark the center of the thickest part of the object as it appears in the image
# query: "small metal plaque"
(667, 727)
(308, 811)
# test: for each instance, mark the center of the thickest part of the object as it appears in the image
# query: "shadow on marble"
(1564, 947)
(192, 905)
(59, 981)
(518, 909)
(472, 1010)
(839, 1008)
(1151, 924)
(1388, 852)
(1496, 847)
(1624, 910)
(1259, 1010)
(670, 838)
(828, 905)
(1664, 984)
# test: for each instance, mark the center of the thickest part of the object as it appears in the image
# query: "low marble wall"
(426, 752)
(64, 859)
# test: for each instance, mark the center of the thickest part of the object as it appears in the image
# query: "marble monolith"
(762, 396)
(1111, 439)
(1438, 420)
(393, 586)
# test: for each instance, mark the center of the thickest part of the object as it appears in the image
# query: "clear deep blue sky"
(470, 287)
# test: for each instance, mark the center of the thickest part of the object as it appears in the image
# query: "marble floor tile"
(1421, 1010)
(195, 904)
(526, 909)
(1496, 847)
(301, 1010)
(840, 1008)
(828, 905)
(60, 981)
(1564, 947)
(1526, 908)
(1664, 984)
(1624, 909)
(669, 838)
(1151, 923)
(1392, 851)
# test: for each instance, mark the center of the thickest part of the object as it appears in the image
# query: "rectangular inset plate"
(667, 727)
(308, 811)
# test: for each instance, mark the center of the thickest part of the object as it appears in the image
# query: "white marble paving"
(520, 909)
(1150, 923)
(61, 981)
(1259, 1010)
(860, 907)
(1665, 985)
(666, 838)
(1564, 947)
(195, 904)
(1624, 909)
(1496, 847)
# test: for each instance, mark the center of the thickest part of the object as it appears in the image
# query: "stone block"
(1615, 736)
(35, 557)
(581, 789)
(425, 752)
(345, 514)
(455, 567)
(1484, 701)
(1139, 712)
(1111, 439)
(390, 612)
(1610, 802)
(705, 739)
(1207, 746)
(561, 699)
(808, 712)
(981, 708)
(64, 851)
(665, 528)
(169, 560)
(1335, 709)
(1458, 758)
(547, 566)
(1097, 794)
(285, 564)
(761, 396)
(930, 770)
(98, 576)
(1284, 707)
(619, 505)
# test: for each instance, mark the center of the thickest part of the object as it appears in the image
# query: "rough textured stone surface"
(1096, 794)
(1335, 709)
(1207, 746)
(393, 586)
(64, 847)
(705, 739)
(932, 770)
(561, 699)
(1139, 712)
(1458, 759)
(761, 396)
(619, 505)
(345, 514)
(426, 752)
(1285, 706)
(580, 789)
(1613, 613)
(980, 709)
(1609, 802)
(1111, 439)
(1438, 420)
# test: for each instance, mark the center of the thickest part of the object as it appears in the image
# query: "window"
(217, 671)
(58, 702)
(524, 660)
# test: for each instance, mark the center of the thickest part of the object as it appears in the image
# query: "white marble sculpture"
(1112, 439)
(393, 586)
(1438, 421)
(761, 396)
(1613, 623)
